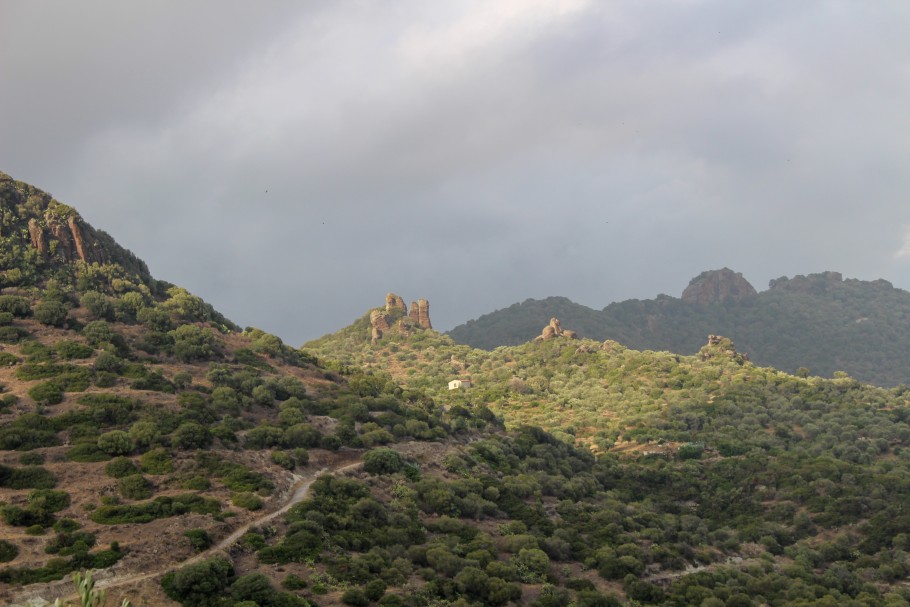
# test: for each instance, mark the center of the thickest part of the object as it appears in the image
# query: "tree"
(50, 312)
(199, 584)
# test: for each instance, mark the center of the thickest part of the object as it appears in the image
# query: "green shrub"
(108, 362)
(31, 459)
(355, 597)
(8, 551)
(383, 461)
(17, 306)
(193, 343)
(97, 304)
(116, 442)
(30, 477)
(283, 459)
(120, 467)
(50, 312)
(247, 500)
(87, 452)
(8, 360)
(46, 393)
(6, 319)
(12, 335)
(199, 584)
(157, 461)
(160, 507)
(70, 350)
(48, 499)
(135, 487)
(191, 435)
(199, 539)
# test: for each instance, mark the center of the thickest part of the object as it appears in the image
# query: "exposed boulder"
(554, 329)
(715, 286)
(38, 237)
(397, 317)
(414, 314)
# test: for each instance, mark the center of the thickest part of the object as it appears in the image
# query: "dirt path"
(299, 490)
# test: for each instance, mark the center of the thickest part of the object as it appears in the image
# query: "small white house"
(457, 384)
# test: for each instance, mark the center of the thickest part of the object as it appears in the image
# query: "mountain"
(189, 462)
(820, 322)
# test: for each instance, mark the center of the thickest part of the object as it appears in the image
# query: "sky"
(292, 162)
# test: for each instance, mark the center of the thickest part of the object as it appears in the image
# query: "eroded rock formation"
(715, 286)
(393, 302)
(382, 321)
(553, 330)
(73, 240)
(423, 314)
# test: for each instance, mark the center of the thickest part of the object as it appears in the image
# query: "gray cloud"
(291, 164)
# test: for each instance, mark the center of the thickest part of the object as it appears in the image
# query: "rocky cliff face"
(57, 231)
(715, 286)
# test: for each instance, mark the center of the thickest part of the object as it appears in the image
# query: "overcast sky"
(291, 162)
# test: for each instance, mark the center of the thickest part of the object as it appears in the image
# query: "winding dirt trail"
(298, 492)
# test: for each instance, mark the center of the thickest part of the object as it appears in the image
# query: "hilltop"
(820, 322)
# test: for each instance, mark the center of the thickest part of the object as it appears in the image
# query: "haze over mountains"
(820, 322)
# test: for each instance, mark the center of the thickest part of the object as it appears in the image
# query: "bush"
(50, 312)
(283, 459)
(157, 461)
(17, 306)
(199, 539)
(8, 551)
(97, 304)
(200, 584)
(70, 350)
(46, 393)
(355, 597)
(120, 467)
(30, 477)
(383, 461)
(191, 435)
(116, 442)
(8, 360)
(6, 319)
(193, 343)
(87, 452)
(247, 500)
(135, 487)
(31, 459)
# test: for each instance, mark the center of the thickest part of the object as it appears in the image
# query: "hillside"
(763, 467)
(145, 436)
(821, 322)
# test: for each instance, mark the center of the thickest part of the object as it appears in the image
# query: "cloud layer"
(292, 164)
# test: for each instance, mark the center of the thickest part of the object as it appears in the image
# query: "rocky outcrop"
(553, 330)
(715, 286)
(38, 237)
(423, 314)
(720, 346)
(379, 323)
(382, 321)
(393, 302)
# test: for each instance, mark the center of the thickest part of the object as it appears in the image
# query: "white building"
(457, 384)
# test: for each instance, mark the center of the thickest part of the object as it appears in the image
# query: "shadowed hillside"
(820, 322)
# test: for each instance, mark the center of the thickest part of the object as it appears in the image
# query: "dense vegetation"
(819, 322)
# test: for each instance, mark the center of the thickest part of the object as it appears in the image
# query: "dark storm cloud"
(292, 165)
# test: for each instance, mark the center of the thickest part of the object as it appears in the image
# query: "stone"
(414, 314)
(393, 302)
(423, 314)
(38, 236)
(715, 286)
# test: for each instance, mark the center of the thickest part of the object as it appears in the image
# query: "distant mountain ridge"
(821, 322)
